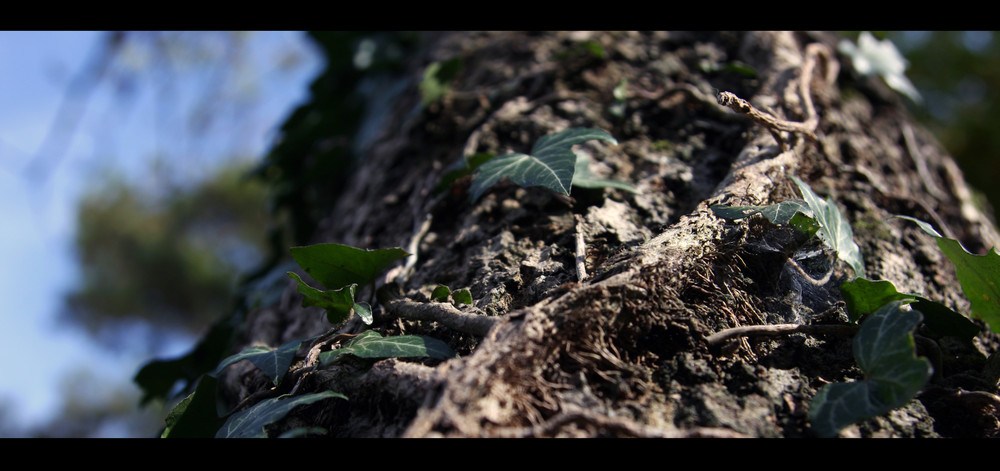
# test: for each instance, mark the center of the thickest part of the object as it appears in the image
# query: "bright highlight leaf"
(834, 230)
(864, 296)
(884, 349)
(978, 275)
(250, 423)
(551, 163)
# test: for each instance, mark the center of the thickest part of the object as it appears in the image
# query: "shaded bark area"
(622, 351)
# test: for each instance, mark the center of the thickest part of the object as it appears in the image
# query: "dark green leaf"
(584, 178)
(462, 296)
(978, 275)
(338, 303)
(864, 296)
(250, 423)
(551, 164)
(942, 320)
(336, 265)
(884, 349)
(370, 344)
(196, 415)
(834, 230)
(273, 363)
(441, 293)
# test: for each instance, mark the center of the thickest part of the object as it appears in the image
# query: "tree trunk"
(618, 345)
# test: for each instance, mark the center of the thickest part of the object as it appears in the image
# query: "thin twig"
(770, 122)
(775, 330)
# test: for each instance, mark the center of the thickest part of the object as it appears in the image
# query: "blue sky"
(36, 242)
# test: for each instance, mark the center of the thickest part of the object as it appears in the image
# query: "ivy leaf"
(978, 275)
(338, 303)
(370, 344)
(864, 296)
(780, 213)
(336, 265)
(884, 349)
(584, 178)
(195, 416)
(462, 296)
(273, 363)
(551, 163)
(834, 230)
(441, 293)
(250, 423)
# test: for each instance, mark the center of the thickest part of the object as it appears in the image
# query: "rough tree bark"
(621, 350)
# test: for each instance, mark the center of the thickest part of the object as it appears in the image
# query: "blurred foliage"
(94, 408)
(168, 259)
(306, 169)
(314, 156)
(958, 74)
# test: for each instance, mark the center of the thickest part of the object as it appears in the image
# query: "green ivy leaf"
(336, 265)
(884, 349)
(834, 230)
(978, 275)
(462, 296)
(195, 416)
(864, 296)
(584, 178)
(551, 163)
(780, 213)
(273, 363)
(370, 344)
(440, 294)
(250, 423)
(338, 303)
